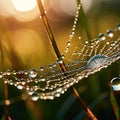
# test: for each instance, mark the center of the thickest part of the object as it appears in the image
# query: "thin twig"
(62, 64)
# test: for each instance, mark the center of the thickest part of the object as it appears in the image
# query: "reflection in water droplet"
(32, 73)
(115, 83)
(110, 33)
(35, 96)
(96, 61)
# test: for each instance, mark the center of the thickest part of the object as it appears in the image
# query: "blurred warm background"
(24, 42)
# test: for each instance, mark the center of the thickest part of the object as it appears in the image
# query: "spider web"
(81, 59)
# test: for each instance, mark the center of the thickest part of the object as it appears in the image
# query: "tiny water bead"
(72, 33)
(115, 83)
(110, 33)
(96, 61)
(101, 36)
(60, 61)
(20, 86)
(43, 14)
(32, 73)
(1, 75)
(35, 96)
(118, 26)
(41, 68)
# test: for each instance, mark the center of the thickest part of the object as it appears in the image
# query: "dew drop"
(1, 75)
(113, 44)
(32, 73)
(115, 83)
(25, 72)
(58, 89)
(57, 94)
(42, 79)
(45, 11)
(68, 43)
(20, 87)
(50, 97)
(86, 42)
(63, 56)
(30, 91)
(11, 82)
(101, 36)
(5, 81)
(41, 68)
(14, 72)
(8, 72)
(96, 61)
(118, 26)
(110, 33)
(41, 17)
(50, 66)
(79, 37)
(35, 96)
(60, 61)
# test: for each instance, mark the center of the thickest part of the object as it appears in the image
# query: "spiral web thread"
(85, 59)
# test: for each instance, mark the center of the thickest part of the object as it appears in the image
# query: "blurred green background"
(24, 45)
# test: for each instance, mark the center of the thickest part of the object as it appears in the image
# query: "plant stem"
(62, 65)
(50, 34)
(86, 108)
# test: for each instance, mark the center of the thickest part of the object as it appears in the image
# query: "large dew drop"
(115, 83)
(96, 61)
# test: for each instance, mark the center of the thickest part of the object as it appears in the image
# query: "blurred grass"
(37, 54)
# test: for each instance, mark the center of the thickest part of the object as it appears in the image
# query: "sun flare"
(24, 5)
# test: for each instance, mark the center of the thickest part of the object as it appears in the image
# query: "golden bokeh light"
(24, 5)
(6, 8)
(69, 7)
(25, 10)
